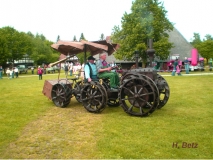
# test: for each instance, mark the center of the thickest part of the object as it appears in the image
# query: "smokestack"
(150, 52)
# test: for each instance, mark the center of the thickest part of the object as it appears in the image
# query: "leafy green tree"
(196, 40)
(205, 49)
(102, 37)
(147, 20)
(4, 50)
(42, 51)
(16, 44)
(81, 57)
(208, 37)
(30, 34)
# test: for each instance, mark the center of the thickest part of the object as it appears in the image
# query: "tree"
(4, 50)
(16, 44)
(205, 47)
(42, 52)
(58, 38)
(208, 37)
(147, 20)
(82, 37)
(102, 37)
(196, 40)
(74, 39)
(81, 57)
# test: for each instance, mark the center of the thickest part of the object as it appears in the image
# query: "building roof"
(182, 47)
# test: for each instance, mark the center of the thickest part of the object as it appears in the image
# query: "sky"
(69, 18)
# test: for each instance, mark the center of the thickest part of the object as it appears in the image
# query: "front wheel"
(93, 97)
(61, 95)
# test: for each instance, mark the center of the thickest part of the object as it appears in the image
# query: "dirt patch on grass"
(59, 133)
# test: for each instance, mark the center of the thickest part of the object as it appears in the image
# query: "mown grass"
(32, 127)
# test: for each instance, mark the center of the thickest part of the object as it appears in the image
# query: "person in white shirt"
(71, 68)
(16, 72)
(8, 73)
(11, 73)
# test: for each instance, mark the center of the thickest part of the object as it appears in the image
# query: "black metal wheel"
(77, 90)
(61, 95)
(164, 91)
(94, 97)
(138, 97)
(128, 76)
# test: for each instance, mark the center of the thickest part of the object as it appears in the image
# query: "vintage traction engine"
(140, 93)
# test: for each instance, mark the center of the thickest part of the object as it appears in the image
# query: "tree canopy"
(146, 21)
(102, 37)
(205, 46)
(74, 38)
(15, 45)
(58, 38)
(82, 37)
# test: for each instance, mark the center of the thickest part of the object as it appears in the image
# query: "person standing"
(70, 68)
(186, 65)
(11, 73)
(1, 72)
(40, 72)
(82, 71)
(32, 70)
(66, 68)
(105, 72)
(8, 73)
(16, 72)
(176, 68)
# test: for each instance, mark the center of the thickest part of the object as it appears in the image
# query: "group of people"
(101, 69)
(93, 70)
(177, 67)
(11, 72)
(73, 69)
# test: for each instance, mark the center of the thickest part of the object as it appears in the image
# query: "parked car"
(22, 69)
(29, 67)
(52, 69)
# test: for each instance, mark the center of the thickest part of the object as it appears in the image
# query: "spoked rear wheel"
(138, 97)
(61, 95)
(93, 97)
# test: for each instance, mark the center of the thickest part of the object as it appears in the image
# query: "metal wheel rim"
(93, 97)
(130, 98)
(61, 95)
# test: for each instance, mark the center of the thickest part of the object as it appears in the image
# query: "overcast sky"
(67, 18)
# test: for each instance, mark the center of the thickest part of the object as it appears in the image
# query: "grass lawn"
(33, 128)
